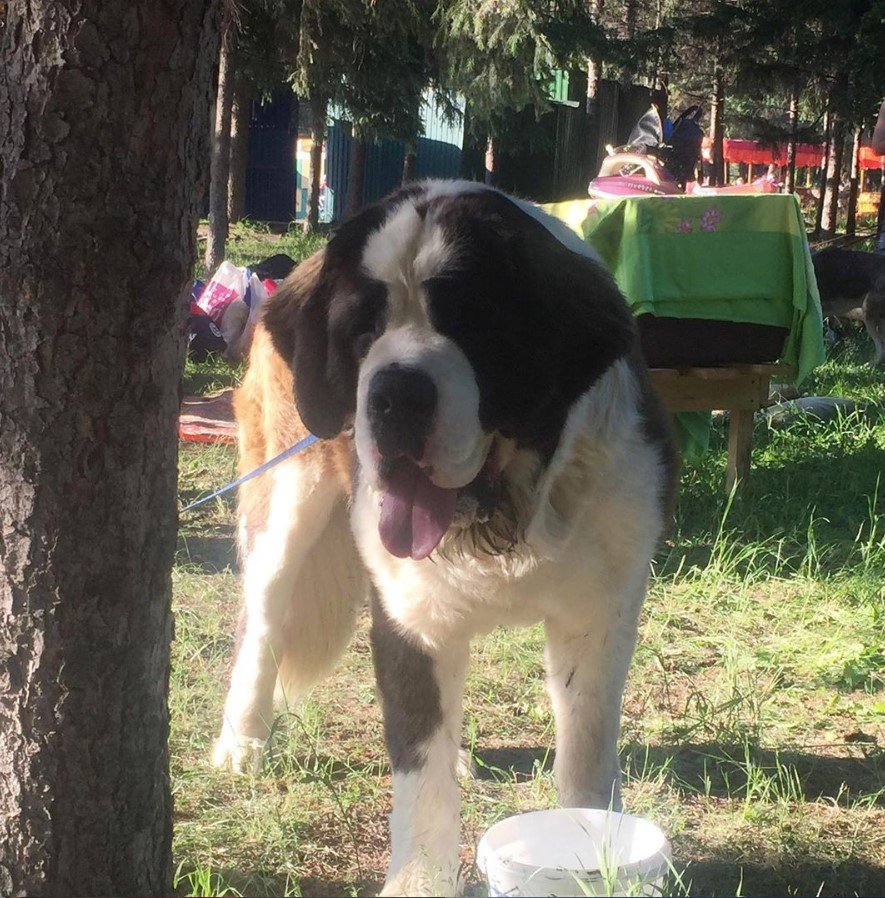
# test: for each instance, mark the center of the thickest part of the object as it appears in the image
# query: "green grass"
(754, 722)
(250, 241)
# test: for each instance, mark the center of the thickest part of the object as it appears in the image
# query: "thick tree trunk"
(103, 126)
(830, 219)
(356, 175)
(717, 125)
(790, 180)
(491, 163)
(851, 212)
(822, 178)
(220, 159)
(241, 113)
(318, 108)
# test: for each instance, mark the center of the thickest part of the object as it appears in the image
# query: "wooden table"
(739, 389)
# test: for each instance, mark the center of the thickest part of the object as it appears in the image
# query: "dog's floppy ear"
(312, 318)
(297, 319)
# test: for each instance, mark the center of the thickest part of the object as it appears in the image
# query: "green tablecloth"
(739, 258)
(735, 257)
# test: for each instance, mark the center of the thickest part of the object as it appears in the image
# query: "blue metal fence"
(270, 175)
(271, 179)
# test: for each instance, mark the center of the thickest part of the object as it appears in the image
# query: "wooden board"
(738, 389)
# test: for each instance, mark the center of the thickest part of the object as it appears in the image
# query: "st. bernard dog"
(492, 454)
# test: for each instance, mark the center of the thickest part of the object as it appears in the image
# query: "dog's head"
(435, 321)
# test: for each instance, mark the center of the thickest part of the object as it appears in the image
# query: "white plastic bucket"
(574, 852)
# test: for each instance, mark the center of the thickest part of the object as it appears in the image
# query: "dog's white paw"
(466, 768)
(416, 879)
(241, 754)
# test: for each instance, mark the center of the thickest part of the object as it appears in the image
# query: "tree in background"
(711, 41)
(502, 57)
(103, 136)
(317, 73)
(765, 67)
(371, 62)
(259, 46)
(219, 160)
(265, 53)
(780, 64)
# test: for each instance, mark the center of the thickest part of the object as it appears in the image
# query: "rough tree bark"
(241, 113)
(220, 157)
(318, 106)
(830, 218)
(356, 175)
(103, 127)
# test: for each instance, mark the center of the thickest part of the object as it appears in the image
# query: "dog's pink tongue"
(415, 513)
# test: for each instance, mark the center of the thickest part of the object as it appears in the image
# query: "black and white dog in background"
(852, 285)
(492, 454)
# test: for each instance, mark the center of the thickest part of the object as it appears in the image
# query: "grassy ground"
(754, 724)
(250, 241)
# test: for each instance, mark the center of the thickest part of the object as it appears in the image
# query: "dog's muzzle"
(401, 406)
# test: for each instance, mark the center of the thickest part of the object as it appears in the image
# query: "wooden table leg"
(740, 446)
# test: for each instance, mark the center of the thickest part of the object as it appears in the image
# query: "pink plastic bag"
(227, 284)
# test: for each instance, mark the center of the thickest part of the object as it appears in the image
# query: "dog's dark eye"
(438, 283)
(363, 344)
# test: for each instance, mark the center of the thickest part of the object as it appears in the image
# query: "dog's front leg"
(587, 664)
(300, 504)
(421, 694)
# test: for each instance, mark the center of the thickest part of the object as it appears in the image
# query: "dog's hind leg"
(302, 585)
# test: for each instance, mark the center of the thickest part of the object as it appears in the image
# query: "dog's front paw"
(466, 768)
(420, 878)
(241, 754)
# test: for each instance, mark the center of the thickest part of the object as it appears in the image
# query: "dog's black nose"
(401, 405)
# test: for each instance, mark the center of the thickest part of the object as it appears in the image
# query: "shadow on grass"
(229, 881)
(508, 763)
(801, 876)
(209, 375)
(722, 771)
(732, 771)
(718, 876)
(210, 554)
(328, 888)
(314, 767)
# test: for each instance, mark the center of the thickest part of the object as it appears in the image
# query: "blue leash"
(309, 440)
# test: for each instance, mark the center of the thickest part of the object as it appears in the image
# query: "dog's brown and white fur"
(536, 385)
